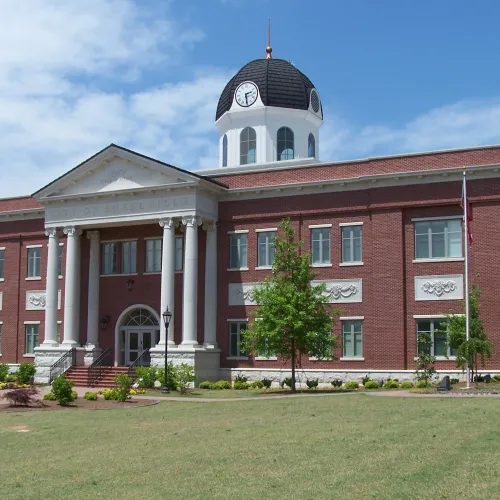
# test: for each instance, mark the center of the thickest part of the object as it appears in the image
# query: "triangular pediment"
(116, 169)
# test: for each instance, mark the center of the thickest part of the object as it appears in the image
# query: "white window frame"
(154, 243)
(132, 263)
(179, 268)
(239, 234)
(34, 276)
(238, 321)
(103, 268)
(322, 262)
(265, 230)
(352, 318)
(60, 258)
(59, 332)
(26, 324)
(432, 318)
(348, 263)
(2, 259)
(446, 242)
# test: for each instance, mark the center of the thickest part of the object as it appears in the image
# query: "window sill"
(440, 358)
(450, 259)
(349, 264)
(263, 358)
(28, 355)
(262, 268)
(60, 277)
(151, 272)
(237, 269)
(117, 274)
(34, 278)
(2, 279)
(352, 358)
(320, 359)
(237, 358)
(321, 265)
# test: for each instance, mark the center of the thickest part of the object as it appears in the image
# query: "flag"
(465, 204)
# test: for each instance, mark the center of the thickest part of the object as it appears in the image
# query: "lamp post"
(167, 317)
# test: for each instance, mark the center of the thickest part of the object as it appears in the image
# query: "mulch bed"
(79, 404)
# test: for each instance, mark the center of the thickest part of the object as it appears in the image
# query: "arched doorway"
(137, 329)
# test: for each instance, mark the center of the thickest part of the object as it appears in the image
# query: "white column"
(51, 292)
(71, 288)
(167, 278)
(78, 273)
(93, 294)
(190, 292)
(210, 338)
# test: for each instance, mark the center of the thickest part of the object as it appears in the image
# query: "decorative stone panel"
(337, 291)
(36, 300)
(443, 287)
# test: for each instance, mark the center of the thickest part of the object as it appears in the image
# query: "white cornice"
(13, 215)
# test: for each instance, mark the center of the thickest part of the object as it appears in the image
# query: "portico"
(119, 189)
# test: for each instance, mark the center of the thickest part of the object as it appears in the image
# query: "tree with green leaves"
(478, 348)
(425, 360)
(293, 317)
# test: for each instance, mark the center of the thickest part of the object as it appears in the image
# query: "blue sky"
(394, 76)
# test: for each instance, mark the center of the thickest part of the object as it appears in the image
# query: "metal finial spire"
(269, 50)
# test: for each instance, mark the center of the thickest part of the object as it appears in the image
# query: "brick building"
(90, 261)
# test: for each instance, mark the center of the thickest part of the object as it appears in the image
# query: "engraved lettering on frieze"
(337, 292)
(439, 287)
(37, 300)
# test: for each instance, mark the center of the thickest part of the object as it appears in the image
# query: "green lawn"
(332, 447)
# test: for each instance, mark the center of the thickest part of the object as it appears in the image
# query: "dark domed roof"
(280, 84)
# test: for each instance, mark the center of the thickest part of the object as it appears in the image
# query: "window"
(109, 258)
(438, 331)
(129, 257)
(320, 245)
(285, 144)
(438, 239)
(34, 262)
(153, 256)
(178, 253)
(266, 248)
(248, 146)
(311, 146)
(31, 339)
(351, 244)
(238, 251)
(1, 338)
(236, 330)
(2, 262)
(59, 259)
(224, 151)
(352, 333)
(58, 333)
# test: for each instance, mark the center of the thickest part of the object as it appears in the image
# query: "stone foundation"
(45, 357)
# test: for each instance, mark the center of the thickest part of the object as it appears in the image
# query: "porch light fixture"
(104, 322)
(130, 284)
(167, 317)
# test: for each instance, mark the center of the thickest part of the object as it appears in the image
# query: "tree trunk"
(293, 366)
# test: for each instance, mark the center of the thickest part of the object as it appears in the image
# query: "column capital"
(167, 222)
(191, 220)
(92, 235)
(72, 231)
(210, 225)
(51, 232)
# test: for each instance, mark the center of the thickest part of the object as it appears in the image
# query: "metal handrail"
(131, 368)
(63, 364)
(97, 367)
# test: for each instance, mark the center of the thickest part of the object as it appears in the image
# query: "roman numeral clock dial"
(246, 94)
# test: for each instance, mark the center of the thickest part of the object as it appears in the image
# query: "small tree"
(478, 348)
(293, 316)
(425, 360)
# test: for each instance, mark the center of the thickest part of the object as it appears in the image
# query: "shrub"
(123, 383)
(371, 384)
(312, 384)
(351, 385)
(407, 384)
(111, 394)
(21, 397)
(267, 383)
(11, 377)
(240, 386)
(184, 376)
(63, 390)
(222, 384)
(391, 384)
(171, 381)
(497, 377)
(454, 381)
(422, 384)
(90, 396)
(4, 371)
(288, 382)
(137, 392)
(241, 378)
(337, 383)
(256, 384)
(25, 373)
(479, 378)
(207, 385)
(365, 379)
(50, 396)
(146, 376)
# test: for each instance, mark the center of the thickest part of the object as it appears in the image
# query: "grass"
(342, 447)
(231, 393)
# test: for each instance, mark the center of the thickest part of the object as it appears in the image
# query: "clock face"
(246, 94)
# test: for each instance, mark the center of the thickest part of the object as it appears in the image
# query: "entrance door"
(136, 341)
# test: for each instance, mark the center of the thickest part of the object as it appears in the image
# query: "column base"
(91, 353)
(45, 357)
(69, 344)
(190, 343)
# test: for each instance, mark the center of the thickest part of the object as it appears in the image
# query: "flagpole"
(466, 246)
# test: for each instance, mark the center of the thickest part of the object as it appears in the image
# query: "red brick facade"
(388, 253)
